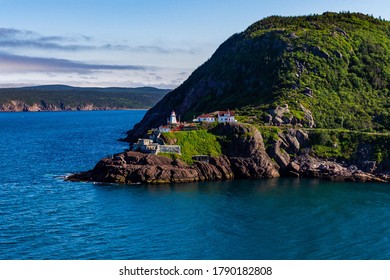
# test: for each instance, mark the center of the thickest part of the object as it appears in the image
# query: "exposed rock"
(281, 115)
(302, 137)
(267, 119)
(294, 167)
(341, 31)
(313, 167)
(278, 121)
(19, 106)
(293, 144)
(279, 155)
(253, 168)
(318, 52)
(287, 120)
(279, 111)
(142, 168)
(246, 151)
(369, 166)
(338, 54)
(288, 141)
(308, 116)
(308, 92)
(300, 69)
(245, 157)
(242, 140)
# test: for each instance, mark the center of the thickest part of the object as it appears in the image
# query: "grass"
(196, 142)
(350, 145)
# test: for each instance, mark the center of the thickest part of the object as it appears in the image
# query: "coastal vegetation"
(345, 145)
(195, 142)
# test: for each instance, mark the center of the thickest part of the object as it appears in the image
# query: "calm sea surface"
(43, 217)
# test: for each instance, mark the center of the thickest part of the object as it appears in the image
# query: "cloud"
(17, 63)
(16, 38)
(160, 50)
(28, 57)
(26, 39)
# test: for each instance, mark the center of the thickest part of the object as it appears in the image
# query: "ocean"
(44, 217)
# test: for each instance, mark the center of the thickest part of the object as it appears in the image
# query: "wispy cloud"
(28, 57)
(23, 39)
(17, 63)
(16, 38)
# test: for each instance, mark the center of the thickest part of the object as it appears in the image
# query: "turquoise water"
(43, 217)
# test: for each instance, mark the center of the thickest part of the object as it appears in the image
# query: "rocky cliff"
(245, 157)
(19, 106)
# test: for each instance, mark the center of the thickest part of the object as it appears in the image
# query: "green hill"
(61, 97)
(332, 70)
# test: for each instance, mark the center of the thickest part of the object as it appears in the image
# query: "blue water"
(43, 217)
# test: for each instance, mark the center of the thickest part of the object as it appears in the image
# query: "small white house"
(226, 116)
(206, 118)
(164, 128)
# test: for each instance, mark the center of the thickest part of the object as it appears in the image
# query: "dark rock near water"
(135, 167)
(309, 166)
(141, 168)
(279, 155)
(244, 157)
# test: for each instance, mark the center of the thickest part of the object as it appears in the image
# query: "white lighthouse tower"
(172, 119)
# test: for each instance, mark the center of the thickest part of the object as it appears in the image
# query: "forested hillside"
(59, 97)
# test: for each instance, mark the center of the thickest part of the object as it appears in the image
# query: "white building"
(172, 119)
(164, 128)
(226, 116)
(206, 118)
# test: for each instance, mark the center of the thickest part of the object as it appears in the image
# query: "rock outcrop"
(244, 157)
(292, 153)
(245, 148)
(309, 166)
(282, 116)
(19, 106)
(134, 167)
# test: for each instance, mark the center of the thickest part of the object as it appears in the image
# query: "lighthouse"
(172, 118)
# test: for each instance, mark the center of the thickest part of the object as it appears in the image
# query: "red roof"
(206, 116)
(221, 113)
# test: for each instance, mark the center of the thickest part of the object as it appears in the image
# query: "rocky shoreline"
(244, 157)
(18, 106)
(134, 167)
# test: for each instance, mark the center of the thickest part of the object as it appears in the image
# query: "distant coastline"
(52, 98)
(72, 109)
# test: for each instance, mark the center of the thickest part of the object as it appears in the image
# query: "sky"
(131, 43)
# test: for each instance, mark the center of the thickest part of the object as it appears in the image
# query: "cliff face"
(19, 106)
(244, 146)
(66, 98)
(247, 159)
(244, 157)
